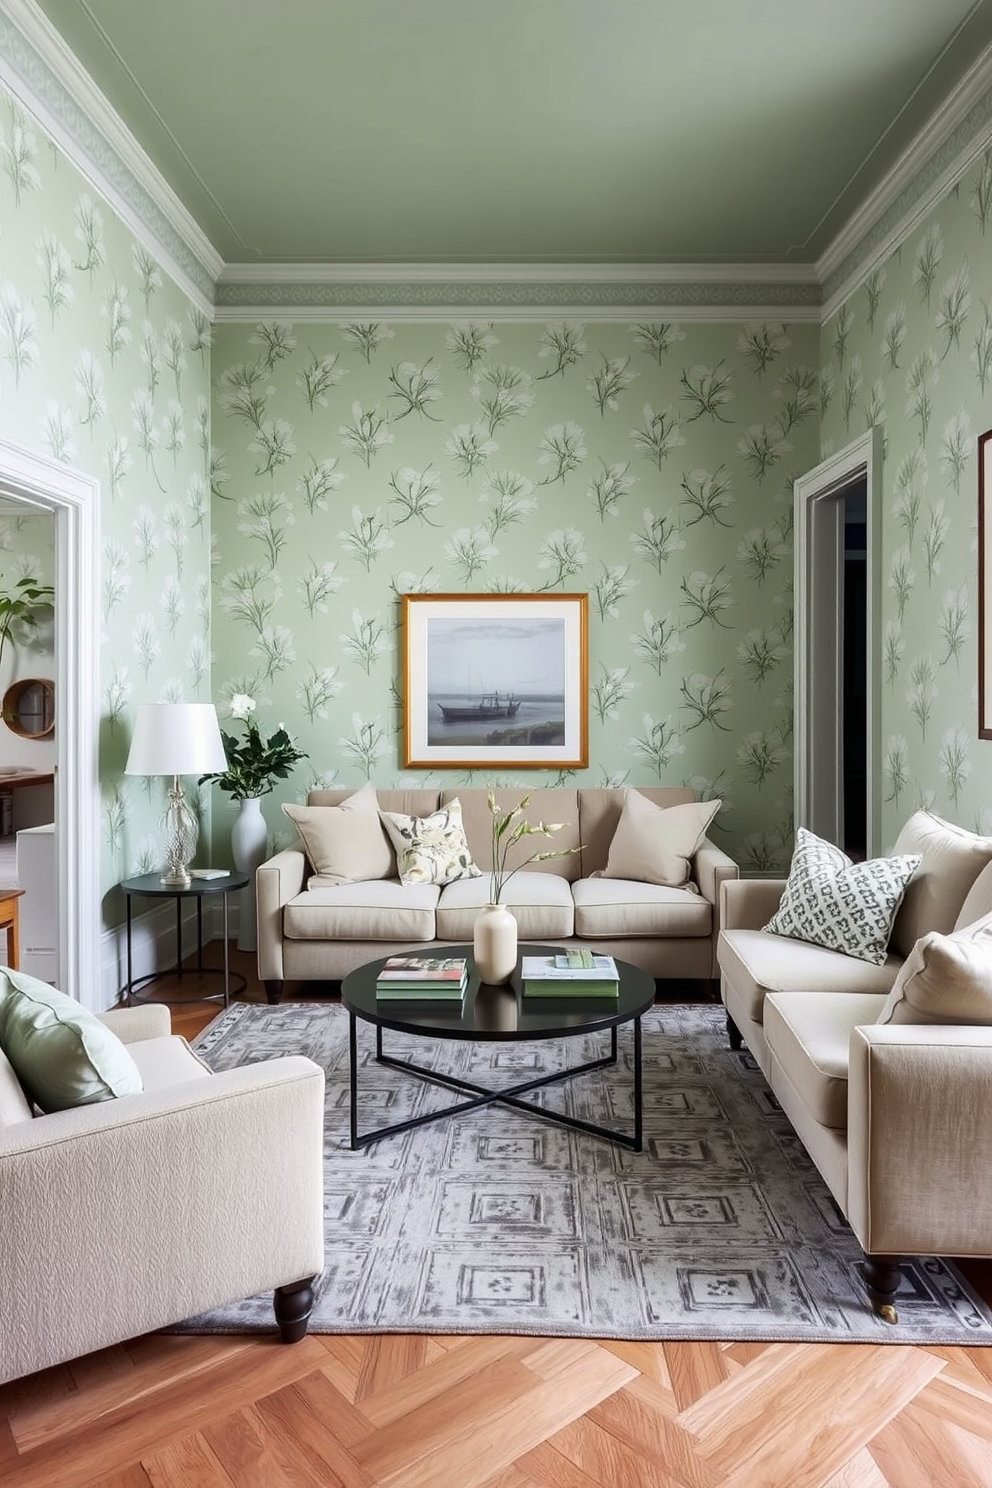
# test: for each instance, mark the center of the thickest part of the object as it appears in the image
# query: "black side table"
(150, 886)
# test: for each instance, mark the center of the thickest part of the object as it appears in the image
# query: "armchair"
(128, 1215)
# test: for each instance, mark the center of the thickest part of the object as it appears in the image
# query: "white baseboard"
(153, 944)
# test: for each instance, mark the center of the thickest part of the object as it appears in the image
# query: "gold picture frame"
(495, 681)
(984, 585)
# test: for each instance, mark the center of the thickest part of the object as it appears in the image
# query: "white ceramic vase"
(249, 841)
(495, 943)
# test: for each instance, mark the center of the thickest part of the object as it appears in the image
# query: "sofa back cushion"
(549, 803)
(978, 900)
(599, 817)
(951, 860)
(945, 979)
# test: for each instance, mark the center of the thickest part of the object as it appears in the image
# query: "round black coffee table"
(489, 1014)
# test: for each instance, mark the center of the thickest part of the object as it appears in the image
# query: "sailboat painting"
(494, 680)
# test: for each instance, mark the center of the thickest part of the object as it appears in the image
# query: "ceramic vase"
(495, 943)
(249, 841)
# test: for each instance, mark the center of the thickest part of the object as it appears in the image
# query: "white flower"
(242, 706)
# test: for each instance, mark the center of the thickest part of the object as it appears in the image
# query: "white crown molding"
(47, 77)
(958, 130)
(497, 273)
(506, 314)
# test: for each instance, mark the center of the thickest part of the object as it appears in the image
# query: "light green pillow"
(62, 1054)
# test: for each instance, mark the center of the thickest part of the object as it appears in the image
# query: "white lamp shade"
(176, 739)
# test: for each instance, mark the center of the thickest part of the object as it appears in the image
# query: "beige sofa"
(310, 931)
(123, 1216)
(896, 1115)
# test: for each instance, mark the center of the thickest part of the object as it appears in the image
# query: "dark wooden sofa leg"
(734, 1034)
(881, 1277)
(273, 991)
(293, 1305)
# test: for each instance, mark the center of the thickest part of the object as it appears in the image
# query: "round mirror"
(28, 708)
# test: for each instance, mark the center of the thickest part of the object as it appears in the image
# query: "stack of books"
(432, 978)
(570, 974)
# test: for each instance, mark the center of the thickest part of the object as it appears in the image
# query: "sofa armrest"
(127, 1215)
(919, 1135)
(277, 881)
(711, 867)
(749, 903)
(132, 1024)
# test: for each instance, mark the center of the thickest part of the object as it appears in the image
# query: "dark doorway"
(854, 651)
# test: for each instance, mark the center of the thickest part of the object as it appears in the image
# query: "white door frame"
(74, 500)
(818, 573)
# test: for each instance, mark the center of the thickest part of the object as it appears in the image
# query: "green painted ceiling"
(555, 131)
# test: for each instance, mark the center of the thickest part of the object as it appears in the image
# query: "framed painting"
(495, 681)
(984, 585)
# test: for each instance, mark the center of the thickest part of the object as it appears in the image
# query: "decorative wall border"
(47, 79)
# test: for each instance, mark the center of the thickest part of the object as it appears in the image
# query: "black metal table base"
(507, 1097)
(233, 980)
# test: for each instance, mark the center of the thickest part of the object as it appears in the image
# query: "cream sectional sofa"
(309, 929)
(893, 1105)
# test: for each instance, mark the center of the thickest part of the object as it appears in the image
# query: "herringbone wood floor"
(181, 1412)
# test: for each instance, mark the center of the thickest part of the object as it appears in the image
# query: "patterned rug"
(498, 1222)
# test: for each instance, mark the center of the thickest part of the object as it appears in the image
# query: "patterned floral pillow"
(845, 906)
(431, 849)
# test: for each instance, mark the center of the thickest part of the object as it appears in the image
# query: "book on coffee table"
(545, 976)
(435, 977)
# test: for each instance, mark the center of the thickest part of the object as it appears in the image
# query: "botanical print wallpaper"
(104, 364)
(648, 464)
(912, 351)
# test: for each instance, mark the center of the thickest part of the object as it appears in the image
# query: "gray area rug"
(498, 1222)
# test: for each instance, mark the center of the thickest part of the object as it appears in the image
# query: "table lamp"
(177, 739)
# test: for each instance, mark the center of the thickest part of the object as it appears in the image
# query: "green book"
(571, 988)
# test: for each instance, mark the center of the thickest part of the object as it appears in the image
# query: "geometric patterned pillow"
(431, 849)
(845, 906)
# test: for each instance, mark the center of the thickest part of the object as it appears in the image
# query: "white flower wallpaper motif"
(911, 350)
(104, 364)
(649, 464)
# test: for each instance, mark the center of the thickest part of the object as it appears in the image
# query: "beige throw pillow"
(431, 849)
(945, 979)
(951, 860)
(655, 844)
(346, 843)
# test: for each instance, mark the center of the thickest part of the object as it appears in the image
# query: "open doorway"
(41, 485)
(837, 594)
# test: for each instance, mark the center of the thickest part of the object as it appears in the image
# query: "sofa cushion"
(756, 963)
(14, 1104)
(546, 803)
(164, 1062)
(951, 859)
(381, 910)
(541, 905)
(430, 849)
(809, 1034)
(345, 843)
(62, 1054)
(655, 844)
(977, 903)
(945, 979)
(616, 908)
(845, 906)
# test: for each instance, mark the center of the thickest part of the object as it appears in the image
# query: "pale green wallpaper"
(104, 364)
(912, 351)
(648, 464)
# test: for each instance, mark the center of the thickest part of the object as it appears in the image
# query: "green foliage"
(21, 608)
(253, 763)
